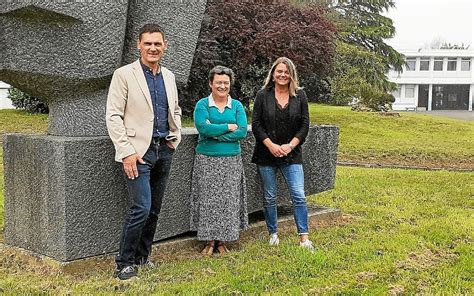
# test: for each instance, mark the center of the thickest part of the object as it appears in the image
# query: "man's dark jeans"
(145, 193)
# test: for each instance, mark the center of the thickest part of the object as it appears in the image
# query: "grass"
(16, 121)
(411, 139)
(403, 231)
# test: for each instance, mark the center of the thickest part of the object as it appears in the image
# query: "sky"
(419, 22)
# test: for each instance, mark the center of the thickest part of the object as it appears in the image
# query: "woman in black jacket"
(280, 123)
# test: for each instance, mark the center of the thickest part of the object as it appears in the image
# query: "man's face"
(220, 86)
(152, 47)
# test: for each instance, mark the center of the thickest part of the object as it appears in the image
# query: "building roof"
(463, 53)
(4, 85)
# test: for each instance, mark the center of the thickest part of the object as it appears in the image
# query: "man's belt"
(158, 140)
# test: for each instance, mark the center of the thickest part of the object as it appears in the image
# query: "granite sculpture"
(65, 197)
(65, 52)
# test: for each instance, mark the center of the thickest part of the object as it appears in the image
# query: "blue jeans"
(294, 177)
(145, 193)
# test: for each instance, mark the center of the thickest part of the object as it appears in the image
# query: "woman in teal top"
(219, 200)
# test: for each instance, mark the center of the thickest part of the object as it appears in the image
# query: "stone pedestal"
(65, 197)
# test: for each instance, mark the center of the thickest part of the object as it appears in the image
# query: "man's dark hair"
(221, 70)
(151, 28)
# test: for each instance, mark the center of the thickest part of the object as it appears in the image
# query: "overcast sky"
(419, 22)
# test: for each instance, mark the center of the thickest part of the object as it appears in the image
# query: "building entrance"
(423, 91)
(451, 97)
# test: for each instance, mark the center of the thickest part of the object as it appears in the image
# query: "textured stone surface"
(66, 198)
(69, 39)
(35, 195)
(65, 52)
(181, 21)
(86, 114)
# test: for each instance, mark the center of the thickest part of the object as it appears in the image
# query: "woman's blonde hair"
(293, 85)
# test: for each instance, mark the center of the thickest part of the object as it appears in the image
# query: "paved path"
(456, 114)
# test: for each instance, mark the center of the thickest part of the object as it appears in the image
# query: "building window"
(425, 64)
(438, 64)
(466, 64)
(396, 93)
(409, 91)
(411, 64)
(452, 62)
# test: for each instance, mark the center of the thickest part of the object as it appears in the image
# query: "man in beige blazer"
(144, 123)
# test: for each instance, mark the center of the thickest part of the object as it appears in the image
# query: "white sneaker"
(307, 244)
(274, 240)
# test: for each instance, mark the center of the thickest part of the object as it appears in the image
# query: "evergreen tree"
(361, 23)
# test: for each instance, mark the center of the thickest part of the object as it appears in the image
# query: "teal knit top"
(215, 139)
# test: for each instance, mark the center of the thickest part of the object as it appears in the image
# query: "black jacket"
(264, 125)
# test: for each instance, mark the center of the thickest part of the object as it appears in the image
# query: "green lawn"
(16, 121)
(403, 231)
(411, 139)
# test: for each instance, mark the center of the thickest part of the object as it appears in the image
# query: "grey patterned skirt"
(219, 198)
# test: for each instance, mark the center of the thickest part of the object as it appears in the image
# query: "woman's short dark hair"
(151, 28)
(221, 70)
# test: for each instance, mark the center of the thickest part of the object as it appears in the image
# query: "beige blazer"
(129, 115)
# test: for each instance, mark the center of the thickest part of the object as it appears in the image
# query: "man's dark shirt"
(156, 86)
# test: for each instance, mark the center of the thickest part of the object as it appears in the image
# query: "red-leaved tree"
(248, 36)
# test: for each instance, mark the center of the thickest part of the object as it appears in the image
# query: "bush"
(317, 89)
(372, 99)
(23, 101)
(248, 36)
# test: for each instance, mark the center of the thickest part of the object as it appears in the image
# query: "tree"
(358, 74)
(23, 101)
(363, 58)
(435, 43)
(453, 46)
(248, 36)
(361, 23)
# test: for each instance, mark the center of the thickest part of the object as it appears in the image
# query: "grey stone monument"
(65, 197)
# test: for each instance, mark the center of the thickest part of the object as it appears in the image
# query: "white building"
(5, 102)
(441, 79)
